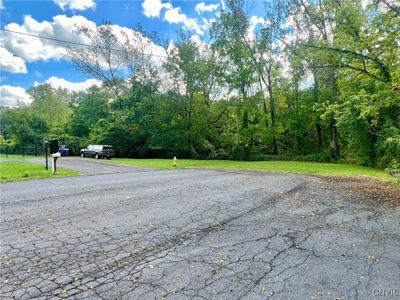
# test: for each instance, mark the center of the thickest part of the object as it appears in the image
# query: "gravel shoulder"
(196, 234)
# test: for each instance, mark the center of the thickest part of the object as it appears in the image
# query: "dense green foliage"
(316, 82)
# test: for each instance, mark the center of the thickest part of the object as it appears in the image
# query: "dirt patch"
(367, 187)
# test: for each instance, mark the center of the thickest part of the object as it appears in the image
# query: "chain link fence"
(24, 151)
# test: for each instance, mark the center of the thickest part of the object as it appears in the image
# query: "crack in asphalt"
(198, 235)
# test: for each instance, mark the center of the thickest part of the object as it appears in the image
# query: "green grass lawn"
(269, 166)
(14, 171)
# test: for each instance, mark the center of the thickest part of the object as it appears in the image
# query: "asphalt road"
(195, 234)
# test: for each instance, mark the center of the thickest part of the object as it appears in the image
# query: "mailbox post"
(46, 144)
(55, 154)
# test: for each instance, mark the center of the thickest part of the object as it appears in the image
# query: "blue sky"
(26, 61)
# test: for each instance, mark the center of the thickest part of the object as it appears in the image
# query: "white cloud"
(307, 80)
(64, 28)
(196, 40)
(32, 48)
(56, 83)
(10, 62)
(14, 96)
(152, 8)
(27, 49)
(174, 16)
(254, 22)
(204, 48)
(75, 4)
(142, 45)
(202, 7)
(366, 3)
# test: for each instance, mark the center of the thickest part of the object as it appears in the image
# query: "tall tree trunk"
(272, 107)
(320, 23)
(334, 146)
(300, 148)
(264, 103)
(243, 91)
(318, 127)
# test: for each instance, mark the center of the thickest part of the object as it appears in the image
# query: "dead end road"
(129, 233)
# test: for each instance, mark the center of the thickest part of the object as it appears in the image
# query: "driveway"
(88, 166)
(196, 234)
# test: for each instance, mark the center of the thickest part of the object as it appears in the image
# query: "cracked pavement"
(195, 234)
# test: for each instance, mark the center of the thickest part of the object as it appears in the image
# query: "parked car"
(98, 151)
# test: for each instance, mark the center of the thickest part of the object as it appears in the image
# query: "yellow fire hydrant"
(174, 161)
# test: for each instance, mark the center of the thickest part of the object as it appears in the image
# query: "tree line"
(312, 80)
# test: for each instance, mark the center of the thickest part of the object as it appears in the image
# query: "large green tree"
(92, 107)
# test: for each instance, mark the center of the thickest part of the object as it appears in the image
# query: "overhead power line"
(70, 42)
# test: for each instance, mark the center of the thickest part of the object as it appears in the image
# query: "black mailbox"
(54, 146)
